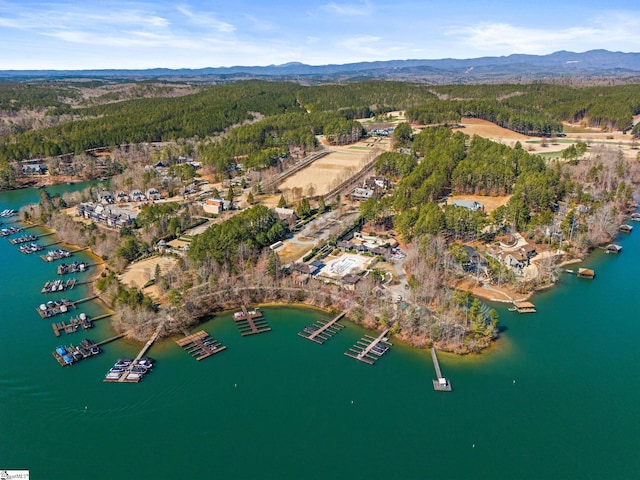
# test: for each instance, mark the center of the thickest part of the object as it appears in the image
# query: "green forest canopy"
(535, 109)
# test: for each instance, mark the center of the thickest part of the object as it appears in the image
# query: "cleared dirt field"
(485, 129)
(327, 172)
(291, 252)
(490, 203)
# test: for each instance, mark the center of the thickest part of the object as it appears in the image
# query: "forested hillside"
(292, 114)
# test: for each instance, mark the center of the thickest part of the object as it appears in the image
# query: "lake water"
(557, 397)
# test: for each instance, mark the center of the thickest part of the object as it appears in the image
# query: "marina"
(23, 239)
(72, 325)
(126, 370)
(30, 248)
(369, 349)
(250, 322)
(58, 307)
(54, 307)
(56, 254)
(68, 355)
(440, 384)
(321, 331)
(5, 232)
(58, 286)
(9, 212)
(75, 267)
(132, 371)
(200, 345)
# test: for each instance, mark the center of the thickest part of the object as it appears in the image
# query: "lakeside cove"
(545, 422)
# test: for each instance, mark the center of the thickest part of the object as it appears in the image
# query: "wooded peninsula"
(403, 204)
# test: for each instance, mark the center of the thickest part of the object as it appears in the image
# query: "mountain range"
(594, 64)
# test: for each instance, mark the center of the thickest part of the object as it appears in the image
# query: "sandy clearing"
(486, 129)
(326, 172)
(139, 273)
(490, 203)
(291, 252)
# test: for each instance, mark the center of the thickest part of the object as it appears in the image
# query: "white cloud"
(348, 9)
(205, 19)
(610, 31)
(259, 24)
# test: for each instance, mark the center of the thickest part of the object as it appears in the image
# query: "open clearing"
(139, 273)
(490, 203)
(486, 129)
(327, 172)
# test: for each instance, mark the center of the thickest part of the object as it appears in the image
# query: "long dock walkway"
(200, 345)
(441, 384)
(250, 322)
(320, 331)
(110, 339)
(369, 349)
(128, 375)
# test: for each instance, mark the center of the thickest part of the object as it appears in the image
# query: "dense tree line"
(239, 239)
(441, 150)
(598, 106)
(202, 114)
(15, 96)
(528, 120)
(395, 165)
(482, 168)
(262, 143)
(535, 109)
(363, 99)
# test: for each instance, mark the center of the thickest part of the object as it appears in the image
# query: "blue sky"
(90, 34)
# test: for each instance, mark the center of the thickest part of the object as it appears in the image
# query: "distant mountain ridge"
(593, 63)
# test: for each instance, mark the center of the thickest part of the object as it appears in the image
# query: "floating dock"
(613, 248)
(23, 239)
(75, 267)
(524, 307)
(200, 345)
(81, 321)
(440, 384)
(58, 286)
(30, 248)
(54, 255)
(322, 331)
(369, 349)
(69, 355)
(586, 273)
(137, 368)
(250, 322)
(53, 308)
(5, 232)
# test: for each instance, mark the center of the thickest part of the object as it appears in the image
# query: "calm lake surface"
(556, 398)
